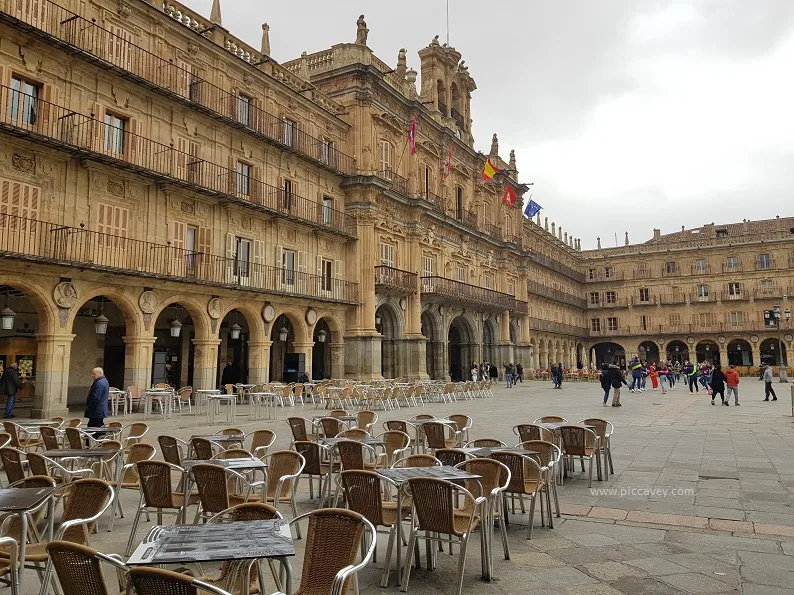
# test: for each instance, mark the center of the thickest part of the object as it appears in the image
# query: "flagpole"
(447, 22)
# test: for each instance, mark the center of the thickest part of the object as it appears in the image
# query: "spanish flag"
(489, 170)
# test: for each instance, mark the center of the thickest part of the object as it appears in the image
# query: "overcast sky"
(626, 114)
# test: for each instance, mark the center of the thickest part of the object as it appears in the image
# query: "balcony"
(521, 307)
(602, 277)
(638, 302)
(463, 293)
(765, 265)
(442, 107)
(62, 28)
(494, 231)
(558, 267)
(398, 183)
(459, 120)
(40, 241)
(516, 240)
(438, 203)
(671, 272)
(391, 280)
(769, 293)
(620, 331)
(538, 324)
(603, 303)
(732, 267)
(86, 137)
(643, 274)
(704, 269)
(468, 218)
(535, 288)
(740, 296)
(674, 298)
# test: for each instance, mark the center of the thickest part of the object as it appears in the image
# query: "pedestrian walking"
(474, 374)
(732, 380)
(605, 382)
(96, 405)
(653, 373)
(616, 380)
(635, 367)
(717, 384)
(690, 372)
(508, 374)
(664, 375)
(769, 376)
(520, 372)
(9, 385)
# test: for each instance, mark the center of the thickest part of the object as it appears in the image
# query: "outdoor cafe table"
(349, 419)
(268, 399)
(82, 453)
(115, 396)
(202, 394)
(219, 542)
(399, 476)
(166, 397)
(19, 501)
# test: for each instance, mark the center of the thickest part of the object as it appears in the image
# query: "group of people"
(557, 372)
(483, 371)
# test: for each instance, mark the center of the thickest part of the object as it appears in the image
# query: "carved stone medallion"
(148, 302)
(23, 163)
(65, 294)
(268, 313)
(215, 308)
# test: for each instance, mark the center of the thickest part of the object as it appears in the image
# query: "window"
(595, 324)
(736, 319)
(645, 296)
(387, 255)
(113, 221)
(288, 264)
(644, 322)
(767, 286)
(700, 266)
(591, 274)
(427, 181)
(488, 281)
(511, 288)
(118, 46)
(670, 267)
(704, 319)
(612, 323)
(243, 109)
(610, 297)
(191, 237)
(675, 319)
(722, 233)
(328, 152)
(114, 134)
(594, 298)
(24, 106)
(242, 257)
(732, 263)
(462, 274)
(764, 262)
(609, 272)
(18, 199)
(386, 152)
(326, 267)
(703, 293)
(287, 195)
(328, 210)
(243, 179)
(428, 266)
(288, 132)
(734, 291)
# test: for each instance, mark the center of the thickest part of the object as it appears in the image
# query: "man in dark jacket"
(96, 405)
(605, 382)
(616, 380)
(9, 385)
(718, 384)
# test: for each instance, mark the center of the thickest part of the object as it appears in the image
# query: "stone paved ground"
(733, 531)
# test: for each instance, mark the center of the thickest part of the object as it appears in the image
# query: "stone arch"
(397, 316)
(297, 321)
(740, 353)
(46, 309)
(456, 98)
(198, 313)
(608, 352)
(490, 340)
(253, 318)
(649, 351)
(334, 325)
(133, 317)
(708, 349)
(677, 351)
(462, 340)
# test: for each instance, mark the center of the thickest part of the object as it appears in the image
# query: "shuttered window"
(387, 255)
(114, 222)
(118, 46)
(19, 202)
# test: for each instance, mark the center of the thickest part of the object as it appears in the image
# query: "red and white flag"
(448, 164)
(509, 197)
(412, 136)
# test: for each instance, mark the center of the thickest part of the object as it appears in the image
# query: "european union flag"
(532, 209)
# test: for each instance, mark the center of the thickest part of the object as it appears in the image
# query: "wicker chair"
(41, 465)
(284, 469)
(420, 460)
(550, 419)
(549, 455)
(20, 438)
(532, 432)
(173, 449)
(127, 477)
(233, 453)
(86, 501)
(464, 423)
(156, 581)
(337, 413)
(450, 456)
(12, 463)
(216, 489)
(486, 443)
(158, 494)
(353, 433)
(332, 426)
(134, 396)
(183, 395)
(333, 540)
(396, 425)
(51, 438)
(317, 464)
(435, 514)
(79, 568)
(435, 434)
(365, 419)
(261, 440)
(9, 569)
(58, 419)
(298, 427)
(203, 449)
(363, 490)
(604, 431)
(75, 422)
(582, 443)
(12, 524)
(526, 479)
(75, 438)
(134, 433)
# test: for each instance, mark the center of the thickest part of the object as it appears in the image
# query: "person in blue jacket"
(96, 405)
(635, 367)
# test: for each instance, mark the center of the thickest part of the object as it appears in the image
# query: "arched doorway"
(707, 351)
(233, 351)
(740, 353)
(433, 347)
(489, 341)
(609, 353)
(21, 322)
(321, 352)
(770, 352)
(285, 364)
(387, 324)
(460, 343)
(649, 351)
(677, 351)
(173, 356)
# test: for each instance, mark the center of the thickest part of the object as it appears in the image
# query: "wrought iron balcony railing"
(458, 291)
(494, 231)
(468, 218)
(398, 183)
(63, 28)
(538, 324)
(395, 280)
(439, 203)
(31, 239)
(535, 288)
(28, 116)
(595, 276)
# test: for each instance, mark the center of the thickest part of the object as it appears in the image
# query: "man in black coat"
(9, 385)
(96, 405)
(616, 380)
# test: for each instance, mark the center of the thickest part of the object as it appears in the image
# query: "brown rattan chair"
(233, 453)
(532, 432)
(435, 434)
(549, 455)
(363, 493)
(486, 443)
(58, 419)
(463, 423)
(284, 468)
(550, 419)
(261, 440)
(331, 427)
(156, 581)
(79, 568)
(127, 477)
(317, 464)
(158, 494)
(75, 422)
(21, 438)
(418, 460)
(134, 433)
(353, 433)
(75, 438)
(397, 444)
(450, 456)
(203, 449)
(40, 465)
(9, 568)
(218, 489)
(298, 427)
(397, 425)
(12, 463)
(51, 437)
(333, 539)
(5, 439)
(183, 395)
(13, 523)
(435, 514)
(365, 419)
(604, 431)
(526, 479)
(583, 443)
(337, 413)
(173, 449)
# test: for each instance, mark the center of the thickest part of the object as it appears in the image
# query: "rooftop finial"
(512, 159)
(265, 39)
(402, 63)
(494, 146)
(361, 31)
(215, 13)
(599, 243)
(627, 238)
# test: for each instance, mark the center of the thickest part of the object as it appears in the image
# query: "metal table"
(202, 394)
(19, 501)
(243, 543)
(215, 400)
(167, 398)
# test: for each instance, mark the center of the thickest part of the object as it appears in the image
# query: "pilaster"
(205, 363)
(259, 361)
(138, 361)
(52, 375)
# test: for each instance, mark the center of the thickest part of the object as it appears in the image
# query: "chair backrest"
(229, 388)
(212, 487)
(298, 427)
(337, 413)
(281, 464)
(253, 511)
(551, 419)
(396, 425)
(234, 453)
(547, 451)
(261, 440)
(332, 543)
(202, 448)
(230, 432)
(162, 385)
(74, 437)
(450, 456)
(312, 453)
(58, 419)
(157, 581)
(75, 422)
(12, 463)
(531, 432)
(394, 440)
(86, 499)
(576, 440)
(418, 460)
(365, 418)
(353, 433)
(522, 470)
(37, 464)
(135, 454)
(463, 422)
(156, 485)
(434, 432)
(331, 427)
(134, 393)
(11, 429)
(50, 437)
(433, 503)
(79, 569)
(169, 446)
(601, 427)
(136, 431)
(493, 475)
(185, 392)
(5, 439)
(363, 494)
(487, 443)
(351, 454)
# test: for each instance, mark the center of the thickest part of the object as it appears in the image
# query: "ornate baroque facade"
(177, 206)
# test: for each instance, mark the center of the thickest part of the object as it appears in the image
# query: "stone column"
(308, 350)
(138, 361)
(205, 363)
(756, 348)
(259, 361)
(337, 360)
(52, 376)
